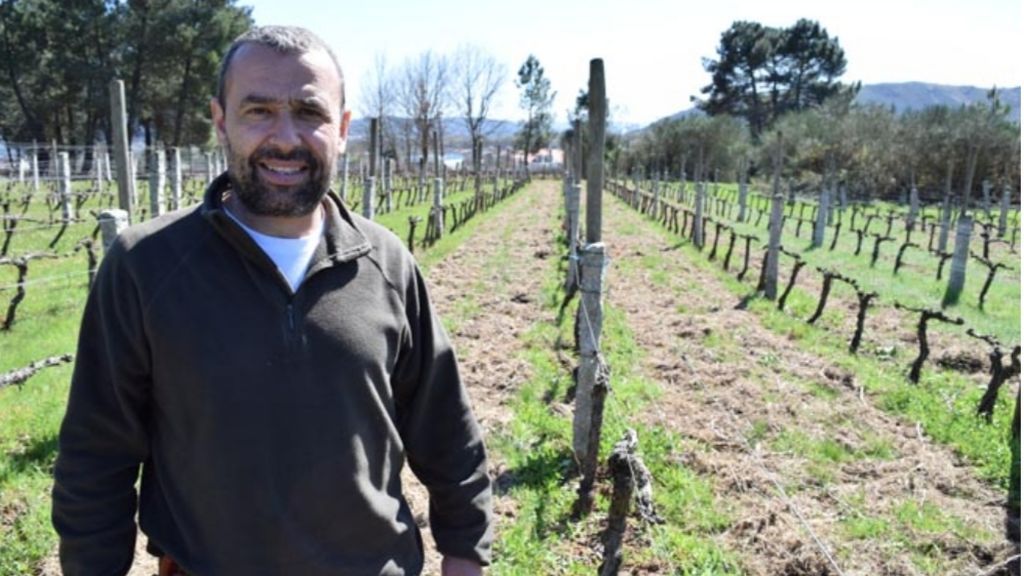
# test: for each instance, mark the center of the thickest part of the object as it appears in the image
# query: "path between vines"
(489, 292)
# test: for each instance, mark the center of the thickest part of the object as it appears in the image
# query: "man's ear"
(343, 131)
(217, 113)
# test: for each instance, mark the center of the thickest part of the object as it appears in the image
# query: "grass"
(915, 285)
(943, 402)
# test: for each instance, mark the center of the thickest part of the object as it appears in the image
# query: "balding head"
(293, 40)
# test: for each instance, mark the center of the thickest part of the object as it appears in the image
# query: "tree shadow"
(544, 471)
(745, 301)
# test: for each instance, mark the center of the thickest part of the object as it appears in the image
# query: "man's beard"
(265, 199)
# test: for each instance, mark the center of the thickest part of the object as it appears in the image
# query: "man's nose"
(286, 134)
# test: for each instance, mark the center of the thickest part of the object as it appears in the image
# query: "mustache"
(297, 154)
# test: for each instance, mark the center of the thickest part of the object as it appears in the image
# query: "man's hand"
(451, 566)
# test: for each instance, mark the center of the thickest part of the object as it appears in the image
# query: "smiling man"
(272, 362)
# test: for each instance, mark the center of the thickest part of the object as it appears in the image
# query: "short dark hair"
(283, 39)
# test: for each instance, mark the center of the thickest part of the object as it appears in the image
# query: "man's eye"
(311, 113)
(257, 112)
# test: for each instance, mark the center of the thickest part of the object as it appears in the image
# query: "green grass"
(915, 285)
(943, 402)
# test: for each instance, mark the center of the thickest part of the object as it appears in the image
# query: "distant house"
(546, 159)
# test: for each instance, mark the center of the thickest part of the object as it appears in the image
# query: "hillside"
(903, 96)
(917, 95)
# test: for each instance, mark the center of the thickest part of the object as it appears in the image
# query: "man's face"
(282, 128)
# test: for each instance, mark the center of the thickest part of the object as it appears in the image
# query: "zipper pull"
(291, 318)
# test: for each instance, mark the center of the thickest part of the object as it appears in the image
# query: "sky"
(652, 50)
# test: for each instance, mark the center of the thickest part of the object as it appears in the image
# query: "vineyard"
(774, 445)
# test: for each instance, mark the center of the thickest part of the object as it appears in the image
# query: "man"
(271, 360)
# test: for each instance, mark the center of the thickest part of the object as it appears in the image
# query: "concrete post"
(1004, 211)
(369, 193)
(821, 223)
(157, 183)
(387, 185)
(915, 207)
(344, 176)
(439, 206)
(771, 266)
(175, 178)
(35, 171)
(573, 232)
(589, 320)
(958, 269)
(743, 192)
(697, 230)
(119, 119)
(67, 200)
(112, 222)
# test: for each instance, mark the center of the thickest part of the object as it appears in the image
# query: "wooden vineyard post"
(958, 270)
(593, 374)
(119, 120)
(595, 164)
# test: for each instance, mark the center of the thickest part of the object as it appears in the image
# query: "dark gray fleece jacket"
(271, 427)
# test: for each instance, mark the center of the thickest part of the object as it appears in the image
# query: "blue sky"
(652, 49)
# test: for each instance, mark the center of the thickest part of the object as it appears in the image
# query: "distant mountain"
(455, 131)
(905, 96)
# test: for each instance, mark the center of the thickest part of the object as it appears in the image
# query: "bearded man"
(271, 361)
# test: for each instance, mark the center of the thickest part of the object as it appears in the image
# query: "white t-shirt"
(291, 255)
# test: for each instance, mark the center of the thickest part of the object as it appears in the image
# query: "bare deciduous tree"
(478, 77)
(378, 99)
(422, 96)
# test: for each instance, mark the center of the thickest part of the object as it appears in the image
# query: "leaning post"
(67, 201)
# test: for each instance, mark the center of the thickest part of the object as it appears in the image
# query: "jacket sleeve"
(103, 438)
(442, 438)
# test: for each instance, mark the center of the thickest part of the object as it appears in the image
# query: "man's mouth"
(283, 173)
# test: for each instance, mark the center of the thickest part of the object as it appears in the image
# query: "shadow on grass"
(38, 455)
(745, 301)
(544, 472)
